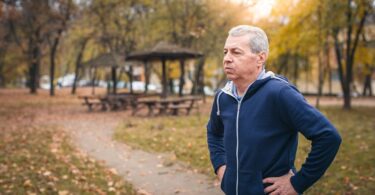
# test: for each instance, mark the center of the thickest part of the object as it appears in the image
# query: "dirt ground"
(92, 133)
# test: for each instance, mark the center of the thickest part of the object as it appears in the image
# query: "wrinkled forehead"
(241, 42)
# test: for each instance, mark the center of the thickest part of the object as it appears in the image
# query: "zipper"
(237, 129)
(237, 146)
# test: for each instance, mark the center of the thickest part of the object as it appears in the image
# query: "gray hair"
(258, 39)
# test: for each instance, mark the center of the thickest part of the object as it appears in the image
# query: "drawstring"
(217, 103)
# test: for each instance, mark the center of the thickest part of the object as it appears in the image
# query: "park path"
(92, 133)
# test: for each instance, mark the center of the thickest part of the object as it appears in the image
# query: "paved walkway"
(93, 135)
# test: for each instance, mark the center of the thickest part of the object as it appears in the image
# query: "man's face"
(240, 64)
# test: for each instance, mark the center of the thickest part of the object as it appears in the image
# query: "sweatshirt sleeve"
(325, 140)
(215, 135)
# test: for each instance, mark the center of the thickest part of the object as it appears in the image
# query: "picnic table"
(119, 101)
(167, 106)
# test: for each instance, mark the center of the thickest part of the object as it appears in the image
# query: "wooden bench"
(175, 105)
(175, 108)
(119, 102)
(165, 106)
(93, 101)
(141, 103)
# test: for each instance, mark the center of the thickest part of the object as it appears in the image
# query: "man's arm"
(215, 136)
(301, 116)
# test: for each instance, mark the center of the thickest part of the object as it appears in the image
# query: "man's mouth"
(227, 69)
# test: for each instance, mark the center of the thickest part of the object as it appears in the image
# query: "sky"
(262, 9)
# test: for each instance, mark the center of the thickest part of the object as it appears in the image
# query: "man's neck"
(242, 85)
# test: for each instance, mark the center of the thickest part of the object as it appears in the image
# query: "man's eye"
(225, 52)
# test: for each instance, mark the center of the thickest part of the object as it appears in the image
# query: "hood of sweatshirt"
(253, 87)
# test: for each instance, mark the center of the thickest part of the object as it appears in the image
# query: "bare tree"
(61, 11)
(356, 15)
(28, 28)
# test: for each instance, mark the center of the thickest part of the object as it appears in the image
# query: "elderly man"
(253, 129)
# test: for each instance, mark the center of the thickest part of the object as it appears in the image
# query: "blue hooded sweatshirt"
(257, 136)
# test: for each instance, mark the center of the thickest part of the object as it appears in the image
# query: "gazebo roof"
(164, 50)
(106, 60)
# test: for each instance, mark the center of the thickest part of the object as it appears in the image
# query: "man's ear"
(262, 57)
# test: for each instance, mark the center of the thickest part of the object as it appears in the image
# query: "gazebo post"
(131, 79)
(146, 72)
(114, 79)
(164, 78)
(93, 78)
(182, 74)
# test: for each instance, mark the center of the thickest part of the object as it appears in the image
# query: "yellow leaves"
(27, 183)
(174, 70)
(111, 189)
(64, 192)
(47, 173)
(365, 55)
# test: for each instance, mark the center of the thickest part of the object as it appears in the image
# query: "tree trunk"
(367, 82)
(78, 64)
(350, 48)
(320, 81)
(2, 56)
(284, 64)
(199, 80)
(295, 73)
(343, 79)
(52, 60)
(1, 75)
(329, 69)
(34, 69)
(320, 64)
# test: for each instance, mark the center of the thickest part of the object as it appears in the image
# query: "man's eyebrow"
(236, 49)
(232, 48)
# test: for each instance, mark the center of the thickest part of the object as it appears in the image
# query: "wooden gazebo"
(164, 51)
(112, 60)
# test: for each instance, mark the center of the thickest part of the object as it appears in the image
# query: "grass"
(182, 137)
(353, 171)
(37, 159)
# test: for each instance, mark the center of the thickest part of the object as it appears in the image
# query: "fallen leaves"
(39, 159)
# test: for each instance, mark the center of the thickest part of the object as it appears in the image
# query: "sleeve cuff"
(217, 167)
(218, 162)
(298, 183)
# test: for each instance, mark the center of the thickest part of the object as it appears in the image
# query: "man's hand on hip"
(220, 172)
(280, 185)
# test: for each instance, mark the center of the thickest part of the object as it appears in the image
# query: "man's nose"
(227, 57)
